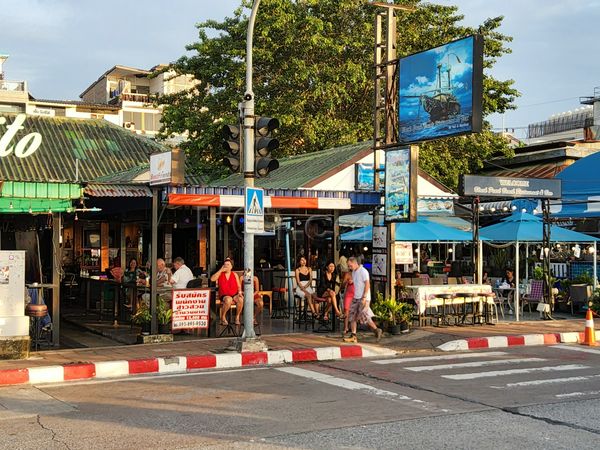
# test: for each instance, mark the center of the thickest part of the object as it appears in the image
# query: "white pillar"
(480, 260)
(526, 262)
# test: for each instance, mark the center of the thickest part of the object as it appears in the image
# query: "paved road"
(532, 397)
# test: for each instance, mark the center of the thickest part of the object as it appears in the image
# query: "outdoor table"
(425, 295)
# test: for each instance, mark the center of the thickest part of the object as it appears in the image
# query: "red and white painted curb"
(476, 343)
(182, 364)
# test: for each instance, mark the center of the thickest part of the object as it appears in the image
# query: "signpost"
(254, 210)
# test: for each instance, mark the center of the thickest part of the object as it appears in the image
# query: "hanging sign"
(403, 253)
(481, 186)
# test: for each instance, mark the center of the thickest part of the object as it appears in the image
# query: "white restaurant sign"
(191, 308)
(26, 146)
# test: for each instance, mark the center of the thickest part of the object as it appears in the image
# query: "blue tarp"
(423, 230)
(525, 227)
(580, 189)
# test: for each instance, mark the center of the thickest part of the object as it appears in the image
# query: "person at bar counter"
(182, 275)
(230, 291)
(163, 273)
(133, 272)
(326, 288)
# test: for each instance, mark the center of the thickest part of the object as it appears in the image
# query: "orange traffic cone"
(589, 337)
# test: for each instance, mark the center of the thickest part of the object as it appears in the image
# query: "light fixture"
(417, 250)
(11, 206)
(523, 210)
(365, 248)
(76, 218)
(481, 208)
(546, 251)
(450, 250)
(505, 208)
(513, 207)
(49, 210)
(535, 211)
(228, 219)
(492, 209)
(30, 209)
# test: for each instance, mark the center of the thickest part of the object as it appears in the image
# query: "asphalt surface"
(530, 397)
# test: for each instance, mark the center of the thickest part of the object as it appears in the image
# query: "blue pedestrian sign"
(254, 211)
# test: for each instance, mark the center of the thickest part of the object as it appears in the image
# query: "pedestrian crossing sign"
(254, 211)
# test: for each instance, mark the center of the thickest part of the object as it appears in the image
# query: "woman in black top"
(327, 285)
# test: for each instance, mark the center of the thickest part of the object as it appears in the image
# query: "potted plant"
(142, 317)
(380, 310)
(404, 316)
(164, 314)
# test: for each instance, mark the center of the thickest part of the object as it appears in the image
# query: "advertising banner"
(403, 253)
(441, 91)
(191, 308)
(397, 185)
(365, 176)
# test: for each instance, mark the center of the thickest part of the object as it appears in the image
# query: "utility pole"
(249, 341)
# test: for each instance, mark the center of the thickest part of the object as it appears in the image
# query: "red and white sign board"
(191, 308)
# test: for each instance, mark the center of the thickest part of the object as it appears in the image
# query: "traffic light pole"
(249, 341)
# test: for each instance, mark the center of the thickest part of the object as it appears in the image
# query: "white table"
(425, 295)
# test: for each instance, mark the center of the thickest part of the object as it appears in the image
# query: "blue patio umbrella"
(521, 227)
(423, 230)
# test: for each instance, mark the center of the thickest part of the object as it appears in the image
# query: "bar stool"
(36, 312)
(442, 318)
(279, 294)
(489, 304)
(472, 296)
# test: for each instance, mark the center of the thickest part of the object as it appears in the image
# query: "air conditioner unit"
(129, 125)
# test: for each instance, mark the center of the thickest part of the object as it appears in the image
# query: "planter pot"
(164, 328)
(395, 329)
(145, 327)
(404, 327)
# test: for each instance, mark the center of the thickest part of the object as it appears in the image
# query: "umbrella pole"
(526, 263)
(517, 300)
(595, 268)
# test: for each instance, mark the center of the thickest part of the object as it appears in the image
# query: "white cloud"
(422, 80)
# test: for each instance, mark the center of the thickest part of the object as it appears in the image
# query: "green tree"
(313, 70)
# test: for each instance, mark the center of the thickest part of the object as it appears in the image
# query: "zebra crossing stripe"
(577, 394)
(438, 358)
(546, 381)
(492, 362)
(577, 349)
(499, 373)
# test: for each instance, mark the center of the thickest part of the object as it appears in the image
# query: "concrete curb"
(511, 341)
(183, 364)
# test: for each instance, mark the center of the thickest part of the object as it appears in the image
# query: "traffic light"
(264, 144)
(232, 143)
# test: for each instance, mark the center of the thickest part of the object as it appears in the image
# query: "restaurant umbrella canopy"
(522, 227)
(423, 230)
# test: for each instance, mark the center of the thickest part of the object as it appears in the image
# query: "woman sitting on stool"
(230, 291)
(326, 289)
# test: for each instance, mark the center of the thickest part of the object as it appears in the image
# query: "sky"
(61, 46)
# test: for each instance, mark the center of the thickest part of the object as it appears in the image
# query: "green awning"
(21, 197)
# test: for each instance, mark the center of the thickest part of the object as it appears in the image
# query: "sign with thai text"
(25, 146)
(480, 186)
(191, 309)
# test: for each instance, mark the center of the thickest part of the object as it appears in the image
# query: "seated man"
(230, 291)
(163, 273)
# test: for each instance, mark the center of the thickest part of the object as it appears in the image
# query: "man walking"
(360, 309)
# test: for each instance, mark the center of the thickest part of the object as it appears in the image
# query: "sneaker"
(351, 339)
(378, 334)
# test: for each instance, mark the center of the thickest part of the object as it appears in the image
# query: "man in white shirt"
(360, 310)
(183, 274)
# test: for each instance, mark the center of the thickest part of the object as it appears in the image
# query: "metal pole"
(516, 300)
(288, 264)
(595, 266)
(248, 145)
(153, 258)
(57, 257)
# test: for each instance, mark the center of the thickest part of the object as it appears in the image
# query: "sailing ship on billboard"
(440, 91)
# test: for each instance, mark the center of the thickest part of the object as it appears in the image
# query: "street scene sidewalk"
(287, 348)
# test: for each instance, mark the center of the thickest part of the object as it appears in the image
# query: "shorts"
(234, 298)
(360, 314)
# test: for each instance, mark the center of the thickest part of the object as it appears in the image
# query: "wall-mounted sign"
(380, 237)
(379, 268)
(403, 253)
(25, 146)
(13, 321)
(480, 186)
(167, 167)
(400, 185)
(440, 91)
(46, 112)
(365, 175)
(191, 308)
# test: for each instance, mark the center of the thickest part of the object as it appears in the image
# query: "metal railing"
(559, 124)
(16, 86)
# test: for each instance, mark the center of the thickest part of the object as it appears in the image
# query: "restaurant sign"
(167, 167)
(25, 146)
(480, 186)
(191, 309)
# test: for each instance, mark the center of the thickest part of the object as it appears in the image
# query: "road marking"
(146, 377)
(498, 373)
(547, 381)
(492, 362)
(577, 349)
(438, 358)
(354, 386)
(577, 394)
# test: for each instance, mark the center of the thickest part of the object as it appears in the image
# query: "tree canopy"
(313, 70)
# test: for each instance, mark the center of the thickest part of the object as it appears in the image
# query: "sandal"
(223, 323)
(237, 322)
